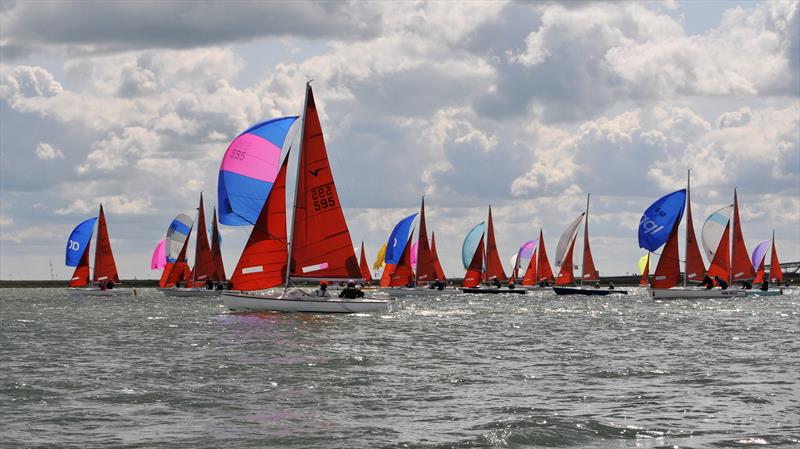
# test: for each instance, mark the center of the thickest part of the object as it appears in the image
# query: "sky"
(527, 107)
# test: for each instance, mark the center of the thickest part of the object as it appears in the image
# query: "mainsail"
(363, 266)
(775, 273)
(105, 269)
(741, 268)
(204, 266)
(439, 271)
(321, 245)
(494, 266)
(695, 268)
(543, 270)
(248, 170)
(403, 274)
(216, 250)
(659, 226)
(426, 265)
(588, 271)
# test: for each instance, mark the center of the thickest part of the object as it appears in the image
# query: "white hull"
(755, 292)
(695, 293)
(403, 292)
(93, 291)
(299, 301)
(190, 292)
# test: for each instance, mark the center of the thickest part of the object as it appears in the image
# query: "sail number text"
(73, 245)
(239, 155)
(323, 197)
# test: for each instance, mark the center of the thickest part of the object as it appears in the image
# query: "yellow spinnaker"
(379, 260)
(643, 261)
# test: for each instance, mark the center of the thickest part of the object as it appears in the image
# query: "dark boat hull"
(494, 291)
(587, 291)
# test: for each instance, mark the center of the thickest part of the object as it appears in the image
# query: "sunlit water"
(452, 372)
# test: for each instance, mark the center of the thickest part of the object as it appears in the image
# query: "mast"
(296, 188)
(585, 237)
(688, 205)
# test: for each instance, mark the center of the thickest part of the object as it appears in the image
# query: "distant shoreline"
(621, 281)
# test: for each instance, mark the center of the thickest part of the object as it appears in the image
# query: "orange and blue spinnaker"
(248, 170)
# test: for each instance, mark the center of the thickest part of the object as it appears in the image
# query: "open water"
(453, 372)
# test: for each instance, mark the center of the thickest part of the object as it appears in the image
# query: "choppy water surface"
(454, 372)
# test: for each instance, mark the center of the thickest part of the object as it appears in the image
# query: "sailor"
(722, 284)
(437, 284)
(103, 285)
(747, 285)
(351, 292)
(596, 285)
(611, 286)
(764, 285)
(496, 282)
(209, 284)
(707, 282)
(110, 285)
(511, 284)
(322, 290)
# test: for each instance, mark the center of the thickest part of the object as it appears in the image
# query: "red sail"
(386, 277)
(178, 271)
(321, 244)
(721, 265)
(216, 251)
(363, 266)
(165, 274)
(494, 267)
(403, 274)
(204, 266)
(104, 267)
(263, 261)
(474, 273)
(695, 269)
(565, 275)
(426, 265)
(646, 272)
(668, 269)
(742, 267)
(775, 273)
(543, 270)
(439, 271)
(529, 278)
(80, 278)
(588, 272)
(760, 273)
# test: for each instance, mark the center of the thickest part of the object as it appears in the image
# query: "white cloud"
(27, 81)
(118, 204)
(734, 119)
(47, 152)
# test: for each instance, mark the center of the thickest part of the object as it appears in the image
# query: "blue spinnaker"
(471, 244)
(658, 220)
(78, 241)
(248, 170)
(398, 239)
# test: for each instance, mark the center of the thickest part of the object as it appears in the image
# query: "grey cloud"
(101, 27)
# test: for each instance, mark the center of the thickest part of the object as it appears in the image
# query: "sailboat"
(320, 248)
(406, 278)
(105, 268)
(538, 274)
(759, 258)
(566, 244)
(485, 267)
(659, 226)
(203, 278)
(176, 269)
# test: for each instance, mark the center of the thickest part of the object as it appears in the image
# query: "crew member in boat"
(496, 282)
(109, 285)
(764, 285)
(747, 285)
(437, 284)
(322, 290)
(209, 284)
(721, 282)
(707, 282)
(611, 286)
(351, 292)
(596, 285)
(511, 284)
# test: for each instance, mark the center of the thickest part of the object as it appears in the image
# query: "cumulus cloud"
(46, 152)
(734, 119)
(127, 25)
(120, 204)
(27, 81)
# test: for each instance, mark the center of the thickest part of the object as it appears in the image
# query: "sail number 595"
(323, 197)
